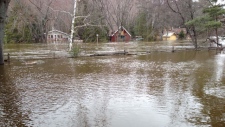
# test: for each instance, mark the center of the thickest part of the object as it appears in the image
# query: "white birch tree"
(73, 25)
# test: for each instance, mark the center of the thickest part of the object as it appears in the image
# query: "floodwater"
(160, 89)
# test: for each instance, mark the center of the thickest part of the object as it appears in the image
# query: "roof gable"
(178, 30)
(57, 31)
(169, 34)
(123, 29)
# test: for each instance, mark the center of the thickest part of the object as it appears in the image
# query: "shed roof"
(178, 30)
(52, 31)
(123, 29)
(168, 34)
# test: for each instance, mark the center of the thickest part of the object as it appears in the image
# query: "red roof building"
(121, 35)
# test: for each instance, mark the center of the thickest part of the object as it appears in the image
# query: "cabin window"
(122, 34)
(51, 36)
(58, 36)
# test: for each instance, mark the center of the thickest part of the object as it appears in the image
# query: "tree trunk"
(217, 38)
(73, 25)
(194, 37)
(3, 9)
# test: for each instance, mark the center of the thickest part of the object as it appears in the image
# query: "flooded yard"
(158, 89)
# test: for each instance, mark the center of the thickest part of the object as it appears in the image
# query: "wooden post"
(173, 50)
(97, 40)
(8, 57)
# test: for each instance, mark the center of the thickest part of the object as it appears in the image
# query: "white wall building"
(57, 36)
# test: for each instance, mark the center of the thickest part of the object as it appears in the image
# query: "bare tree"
(157, 16)
(73, 24)
(72, 17)
(116, 12)
(44, 16)
(186, 10)
(86, 17)
(20, 23)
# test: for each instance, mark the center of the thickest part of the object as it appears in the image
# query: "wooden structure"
(169, 36)
(121, 35)
(57, 36)
(173, 34)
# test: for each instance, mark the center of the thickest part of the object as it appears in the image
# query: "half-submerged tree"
(43, 11)
(3, 9)
(214, 13)
(187, 10)
(210, 21)
(73, 25)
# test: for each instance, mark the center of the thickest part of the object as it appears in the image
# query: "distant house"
(169, 36)
(178, 30)
(121, 35)
(173, 34)
(57, 36)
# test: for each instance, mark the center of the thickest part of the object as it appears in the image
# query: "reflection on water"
(182, 89)
(219, 67)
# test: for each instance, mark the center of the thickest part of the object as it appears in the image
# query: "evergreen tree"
(214, 13)
(181, 35)
(19, 28)
(211, 20)
(88, 27)
(142, 27)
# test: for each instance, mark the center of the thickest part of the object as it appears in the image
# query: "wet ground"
(159, 89)
(58, 50)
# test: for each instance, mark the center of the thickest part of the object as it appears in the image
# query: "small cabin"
(169, 36)
(57, 36)
(121, 35)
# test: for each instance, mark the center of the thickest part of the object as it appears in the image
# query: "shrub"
(75, 51)
(181, 35)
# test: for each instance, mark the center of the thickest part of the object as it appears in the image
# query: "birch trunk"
(73, 25)
(3, 9)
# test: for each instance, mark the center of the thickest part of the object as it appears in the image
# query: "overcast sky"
(219, 1)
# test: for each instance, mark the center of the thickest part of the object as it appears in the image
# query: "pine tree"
(211, 20)
(214, 13)
(181, 35)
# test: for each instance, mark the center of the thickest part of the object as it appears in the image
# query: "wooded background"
(29, 20)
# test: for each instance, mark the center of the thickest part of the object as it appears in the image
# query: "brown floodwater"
(160, 89)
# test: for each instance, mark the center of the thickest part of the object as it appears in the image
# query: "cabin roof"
(123, 29)
(58, 31)
(178, 30)
(168, 34)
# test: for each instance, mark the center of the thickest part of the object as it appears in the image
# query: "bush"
(75, 51)
(181, 35)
